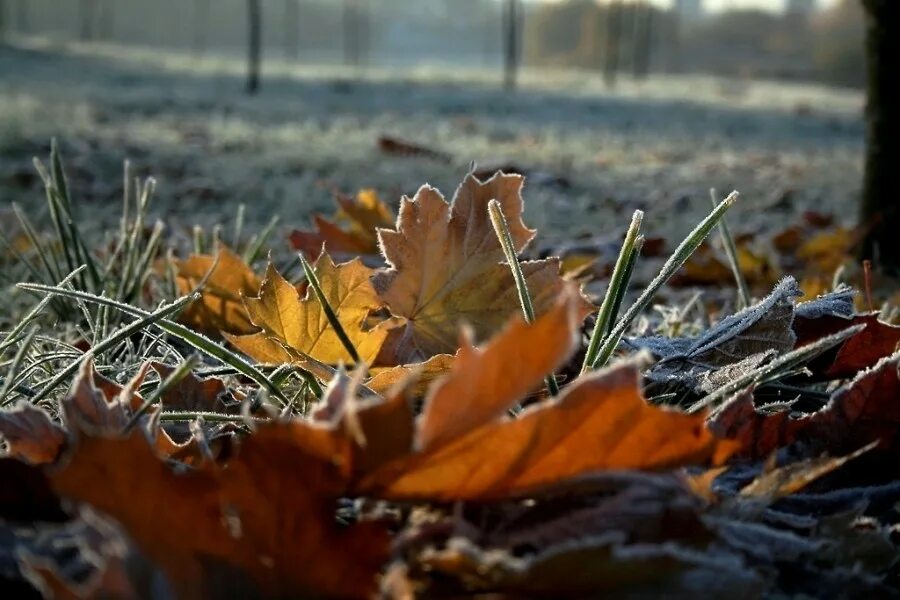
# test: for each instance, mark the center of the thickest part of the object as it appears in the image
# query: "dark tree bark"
(880, 214)
(612, 42)
(254, 44)
(292, 29)
(3, 17)
(511, 26)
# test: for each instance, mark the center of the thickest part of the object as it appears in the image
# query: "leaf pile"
(441, 464)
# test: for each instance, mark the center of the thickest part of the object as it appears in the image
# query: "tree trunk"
(88, 10)
(106, 23)
(3, 19)
(355, 25)
(254, 44)
(642, 40)
(880, 209)
(199, 27)
(511, 24)
(291, 29)
(23, 17)
(612, 43)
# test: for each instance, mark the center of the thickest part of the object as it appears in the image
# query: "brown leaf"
(220, 307)
(865, 410)
(31, 435)
(446, 268)
(397, 147)
(876, 341)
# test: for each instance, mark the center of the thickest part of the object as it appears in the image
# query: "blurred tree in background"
(880, 212)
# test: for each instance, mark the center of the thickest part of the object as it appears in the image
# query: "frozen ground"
(659, 145)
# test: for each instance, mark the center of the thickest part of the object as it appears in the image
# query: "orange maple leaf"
(351, 231)
(220, 307)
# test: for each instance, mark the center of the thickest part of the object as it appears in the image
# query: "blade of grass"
(192, 338)
(314, 283)
(33, 314)
(501, 228)
(43, 253)
(207, 416)
(678, 258)
(744, 299)
(617, 282)
(255, 246)
(9, 383)
(61, 186)
(620, 294)
(111, 340)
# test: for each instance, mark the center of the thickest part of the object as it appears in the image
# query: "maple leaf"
(861, 351)
(419, 375)
(301, 324)
(445, 268)
(31, 435)
(351, 231)
(221, 532)
(863, 411)
(220, 307)
(475, 452)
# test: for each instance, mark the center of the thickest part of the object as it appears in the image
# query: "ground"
(597, 153)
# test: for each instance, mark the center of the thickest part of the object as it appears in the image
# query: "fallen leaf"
(863, 411)
(736, 344)
(301, 324)
(600, 422)
(220, 307)
(397, 147)
(446, 268)
(31, 435)
(242, 530)
(876, 341)
(422, 375)
(352, 230)
(789, 479)
(478, 388)
(826, 251)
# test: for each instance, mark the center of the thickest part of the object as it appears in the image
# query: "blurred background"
(606, 106)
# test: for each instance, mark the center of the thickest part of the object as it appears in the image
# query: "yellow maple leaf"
(446, 269)
(286, 319)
